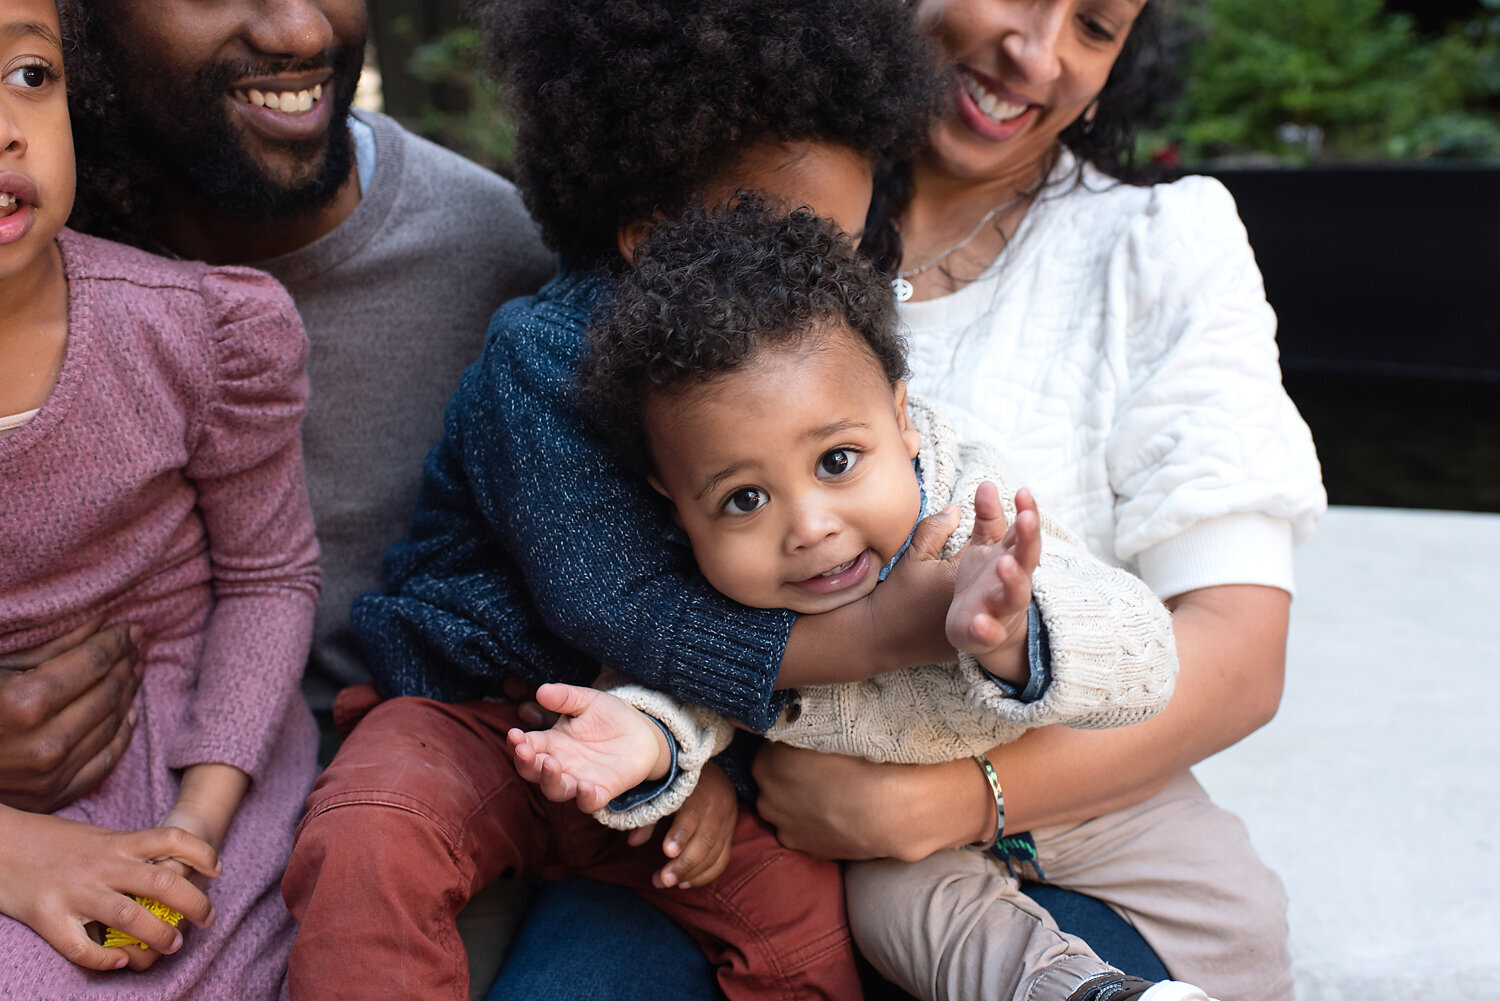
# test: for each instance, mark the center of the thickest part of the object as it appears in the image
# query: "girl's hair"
(113, 197)
(626, 107)
(1137, 84)
(710, 291)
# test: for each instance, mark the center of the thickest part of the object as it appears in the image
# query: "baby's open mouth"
(9, 204)
(291, 102)
(839, 569)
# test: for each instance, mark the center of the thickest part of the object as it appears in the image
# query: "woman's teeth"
(994, 109)
(291, 102)
(9, 203)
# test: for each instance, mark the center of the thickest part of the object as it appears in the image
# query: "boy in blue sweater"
(535, 554)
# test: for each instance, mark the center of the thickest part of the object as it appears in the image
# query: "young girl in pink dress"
(150, 472)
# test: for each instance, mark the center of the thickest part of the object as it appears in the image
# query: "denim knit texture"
(533, 552)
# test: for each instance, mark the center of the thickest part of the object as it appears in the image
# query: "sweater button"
(793, 710)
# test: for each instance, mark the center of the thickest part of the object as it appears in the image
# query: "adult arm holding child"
(65, 715)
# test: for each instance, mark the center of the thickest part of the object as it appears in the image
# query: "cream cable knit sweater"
(1113, 658)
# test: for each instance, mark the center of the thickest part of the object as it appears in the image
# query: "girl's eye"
(31, 77)
(836, 463)
(745, 500)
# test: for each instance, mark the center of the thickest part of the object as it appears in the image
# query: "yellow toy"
(114, 938)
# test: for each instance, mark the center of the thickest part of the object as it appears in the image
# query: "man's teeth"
(838, 569)
(292, 102)
(994, 109)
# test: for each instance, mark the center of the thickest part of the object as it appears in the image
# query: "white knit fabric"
(1122, 354)
(1113, 660)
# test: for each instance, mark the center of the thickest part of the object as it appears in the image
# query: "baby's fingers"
(989, 516)
(1026, 533)
(566, 700)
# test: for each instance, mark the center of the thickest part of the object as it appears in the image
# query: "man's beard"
(199, 149)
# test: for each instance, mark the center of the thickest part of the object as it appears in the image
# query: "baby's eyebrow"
(20, 29)
(837, 427)
(717, 478)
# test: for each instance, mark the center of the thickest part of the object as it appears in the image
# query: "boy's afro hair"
(625, 107)
(710, 291)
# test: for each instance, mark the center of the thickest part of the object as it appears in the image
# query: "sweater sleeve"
(246, 462)
(700, 734)
(1113, 659)
(590, 539)
(1205, 430)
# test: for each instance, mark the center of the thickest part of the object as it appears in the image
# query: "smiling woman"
(1116, 341)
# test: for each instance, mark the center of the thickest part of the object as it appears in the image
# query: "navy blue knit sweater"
(534, 553)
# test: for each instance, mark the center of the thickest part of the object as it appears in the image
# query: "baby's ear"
(656, 485)
(909, 433)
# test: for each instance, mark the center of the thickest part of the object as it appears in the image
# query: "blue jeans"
(588, 941)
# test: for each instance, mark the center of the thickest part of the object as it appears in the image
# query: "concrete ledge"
(1376, 790)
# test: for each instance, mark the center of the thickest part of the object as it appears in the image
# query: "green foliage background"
(1286, 81)
(1305, 80)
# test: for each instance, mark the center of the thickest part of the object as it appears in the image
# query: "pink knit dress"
(161, 482)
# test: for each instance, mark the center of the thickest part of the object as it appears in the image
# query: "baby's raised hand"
(988, 615)
(702, 829)
(59, 876)
(599, 747)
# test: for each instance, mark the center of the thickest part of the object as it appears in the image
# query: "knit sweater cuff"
(729, 663)
(1249, 548)
(1113, 659)
(698, 734)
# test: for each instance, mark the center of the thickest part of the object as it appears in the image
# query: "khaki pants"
(1178, 868)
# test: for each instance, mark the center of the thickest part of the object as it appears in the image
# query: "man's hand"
(988, 615)
(599, 747)
(65, 714)
(699, 839)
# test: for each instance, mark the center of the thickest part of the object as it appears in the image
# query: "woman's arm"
(1231, 644)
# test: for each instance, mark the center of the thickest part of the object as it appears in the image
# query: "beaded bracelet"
(983, 760)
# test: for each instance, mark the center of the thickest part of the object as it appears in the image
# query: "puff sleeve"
(246, 462)
(1213, 469)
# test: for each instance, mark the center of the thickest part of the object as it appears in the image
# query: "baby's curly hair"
(626, 107)
(709, 292)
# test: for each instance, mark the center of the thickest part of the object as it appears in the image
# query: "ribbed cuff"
(729, 663)
(1248, 548)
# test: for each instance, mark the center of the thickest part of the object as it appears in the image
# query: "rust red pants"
(422, 806)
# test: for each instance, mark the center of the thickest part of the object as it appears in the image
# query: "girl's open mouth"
(9, 204)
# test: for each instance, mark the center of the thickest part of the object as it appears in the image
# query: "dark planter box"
(1386, 284)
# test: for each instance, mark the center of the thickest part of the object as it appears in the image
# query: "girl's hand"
(839, 807)
(599, 747)
(702, 830)
(988, 614)
(58, 876)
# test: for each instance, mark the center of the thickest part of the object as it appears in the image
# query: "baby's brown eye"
(836, 463)
(745, 500)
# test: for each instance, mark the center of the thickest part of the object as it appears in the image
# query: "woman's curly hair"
(626, 107)
(710, 291)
